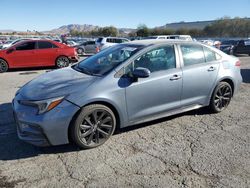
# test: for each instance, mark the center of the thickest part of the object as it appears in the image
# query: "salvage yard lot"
(194, 149)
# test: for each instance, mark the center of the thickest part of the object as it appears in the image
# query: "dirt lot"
(194, 149)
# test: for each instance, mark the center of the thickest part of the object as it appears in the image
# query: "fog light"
(23, 126)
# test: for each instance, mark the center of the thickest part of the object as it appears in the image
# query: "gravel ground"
(194, 149)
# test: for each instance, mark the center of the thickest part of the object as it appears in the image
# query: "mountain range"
(88, 27)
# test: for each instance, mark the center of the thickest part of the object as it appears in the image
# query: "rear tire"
(93, 126)
(221, 97)
(80, 51)
(3, 66)
(62, 61)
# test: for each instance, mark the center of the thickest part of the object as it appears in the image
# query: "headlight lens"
(44, 105)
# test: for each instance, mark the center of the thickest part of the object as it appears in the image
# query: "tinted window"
(99, 40)
(26, 46)
(192, 54)
(124, 40)
(209, 55)
(44, 45)
(91, 42)
(159, 59)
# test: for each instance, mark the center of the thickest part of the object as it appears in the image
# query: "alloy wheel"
(3, 66)
(96, 128)
(222, 97)
(62, 62)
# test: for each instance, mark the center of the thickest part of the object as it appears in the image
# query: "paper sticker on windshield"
(129, 49)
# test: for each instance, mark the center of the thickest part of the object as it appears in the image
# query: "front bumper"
(50, 128)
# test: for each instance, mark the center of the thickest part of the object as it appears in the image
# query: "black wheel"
(93, 126)
(80, 51)
(3, 66)
(221, 97)
(62, 61)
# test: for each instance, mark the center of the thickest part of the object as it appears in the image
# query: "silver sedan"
(121, 86)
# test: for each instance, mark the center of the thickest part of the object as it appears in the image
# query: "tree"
(109, 31)
(142, 31)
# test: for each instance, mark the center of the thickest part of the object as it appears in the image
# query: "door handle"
(175, 77)
(211, 68)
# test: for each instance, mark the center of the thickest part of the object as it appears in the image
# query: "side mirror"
(10, 50)
(140, 72)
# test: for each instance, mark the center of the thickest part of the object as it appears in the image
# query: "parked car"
(228, 45)
(242, 47)
(179, 37)
(121, 86)
(105, 42)
(71, 43)
(36, 53)
(88, 47)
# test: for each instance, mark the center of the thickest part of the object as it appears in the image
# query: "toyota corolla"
(121, 86)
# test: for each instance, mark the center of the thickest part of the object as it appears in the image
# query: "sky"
(42, 15)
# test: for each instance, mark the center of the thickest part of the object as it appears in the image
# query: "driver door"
(24, 54)
(161, 91)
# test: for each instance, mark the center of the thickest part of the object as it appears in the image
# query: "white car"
(180, 37)
(11, 42)
(105, 42)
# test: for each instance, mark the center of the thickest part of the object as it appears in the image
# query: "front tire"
(3, 66)
(221, 97)
(62, 61)
(93, 126)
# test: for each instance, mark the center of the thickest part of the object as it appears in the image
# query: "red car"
(37, 53)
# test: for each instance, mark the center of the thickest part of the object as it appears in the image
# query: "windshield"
(107, 60)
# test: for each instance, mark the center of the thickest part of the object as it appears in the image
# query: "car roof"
(159, 41)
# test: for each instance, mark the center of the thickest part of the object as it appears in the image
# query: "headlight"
(43, 105)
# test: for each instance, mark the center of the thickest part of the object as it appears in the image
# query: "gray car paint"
(134, 102)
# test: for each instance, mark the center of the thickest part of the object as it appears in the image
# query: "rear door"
(47, 53)
(24, 54)
(200, 67)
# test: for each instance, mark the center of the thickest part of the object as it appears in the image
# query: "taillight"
(237, 64)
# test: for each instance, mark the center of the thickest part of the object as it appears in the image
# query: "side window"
(209, 55)
(158, 59)
(124, 40)
(192, 54)
(26, 46)
(44, 45)
(118, 40)
(91, 42)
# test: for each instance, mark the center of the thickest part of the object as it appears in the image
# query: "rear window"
(99, 40)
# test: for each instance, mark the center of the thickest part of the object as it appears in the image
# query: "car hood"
(55, 84)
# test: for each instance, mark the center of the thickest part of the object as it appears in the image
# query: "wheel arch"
(5, 61)
(229, 81)
(105, 103)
